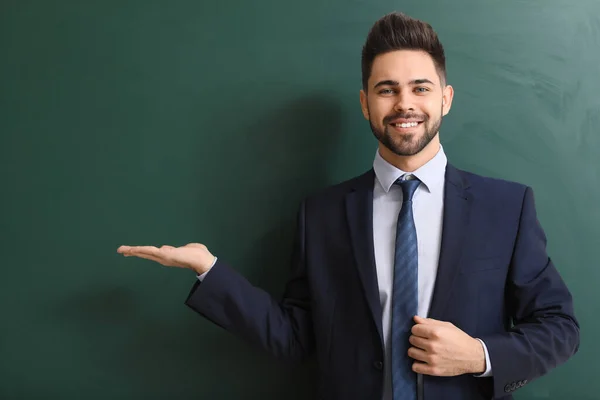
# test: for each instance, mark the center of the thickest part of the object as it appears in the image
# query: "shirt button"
(378, 365)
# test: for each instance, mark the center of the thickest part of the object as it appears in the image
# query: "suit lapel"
(359, 212)
(455, 221)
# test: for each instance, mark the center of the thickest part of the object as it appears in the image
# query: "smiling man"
(415, 280)
(404, 98)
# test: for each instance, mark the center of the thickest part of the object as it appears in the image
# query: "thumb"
(197, 245)
(426, 321)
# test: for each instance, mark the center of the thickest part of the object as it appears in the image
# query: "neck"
(414, 162)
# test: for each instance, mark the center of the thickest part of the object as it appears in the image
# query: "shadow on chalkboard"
(266, 167)
(301, 139)
(291, 146)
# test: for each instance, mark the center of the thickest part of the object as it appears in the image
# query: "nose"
(403, 103)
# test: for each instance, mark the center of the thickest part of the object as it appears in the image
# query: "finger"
(149, 253)
(425, 369)
(418, 354)
(123, 249)
(167, 247)
(421, 330)
(194, 245)
(427, 321)
(419, 342)
(146, 250)
(150, 257)
(419, 367)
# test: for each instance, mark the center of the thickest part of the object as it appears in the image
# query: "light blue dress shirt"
(428, 211)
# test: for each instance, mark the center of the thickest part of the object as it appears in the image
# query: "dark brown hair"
(397, 31)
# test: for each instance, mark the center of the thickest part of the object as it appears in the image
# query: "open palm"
(193, 255)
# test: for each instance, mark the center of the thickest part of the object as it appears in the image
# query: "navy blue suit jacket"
(495, 281)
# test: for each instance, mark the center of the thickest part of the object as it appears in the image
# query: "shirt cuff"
(203, 275)
(488, 365)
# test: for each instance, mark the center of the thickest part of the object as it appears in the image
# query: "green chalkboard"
(155, 122)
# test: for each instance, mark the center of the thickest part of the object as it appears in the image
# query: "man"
(411, 238)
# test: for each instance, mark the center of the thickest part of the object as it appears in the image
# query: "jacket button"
(378, 365)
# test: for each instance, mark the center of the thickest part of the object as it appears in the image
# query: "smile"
(406, 124)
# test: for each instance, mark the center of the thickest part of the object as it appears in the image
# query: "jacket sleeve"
(283, 328)
(544, 330)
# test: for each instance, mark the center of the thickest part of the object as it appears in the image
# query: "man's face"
(405, 101)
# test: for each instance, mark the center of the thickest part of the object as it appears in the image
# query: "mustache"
(392, 117)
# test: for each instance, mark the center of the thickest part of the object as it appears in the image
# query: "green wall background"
(155, 122)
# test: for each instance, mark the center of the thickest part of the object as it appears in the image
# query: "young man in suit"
(411, 238)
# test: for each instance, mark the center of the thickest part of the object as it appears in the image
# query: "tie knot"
(409, 184)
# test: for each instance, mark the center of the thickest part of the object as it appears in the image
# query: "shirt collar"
(431, 173)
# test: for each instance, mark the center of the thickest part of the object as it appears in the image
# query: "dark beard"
(404, 145)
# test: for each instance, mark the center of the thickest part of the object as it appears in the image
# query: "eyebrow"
(396, 83)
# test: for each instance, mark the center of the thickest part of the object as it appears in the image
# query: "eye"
(386, 91)
(421, 89)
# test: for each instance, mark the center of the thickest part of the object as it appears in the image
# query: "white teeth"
(407, 125)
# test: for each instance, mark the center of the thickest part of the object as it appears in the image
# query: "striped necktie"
(404, 295)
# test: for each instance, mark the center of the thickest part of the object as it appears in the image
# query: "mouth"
(405, 126)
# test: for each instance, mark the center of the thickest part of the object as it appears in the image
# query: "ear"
(447, 96)
(364, 105)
